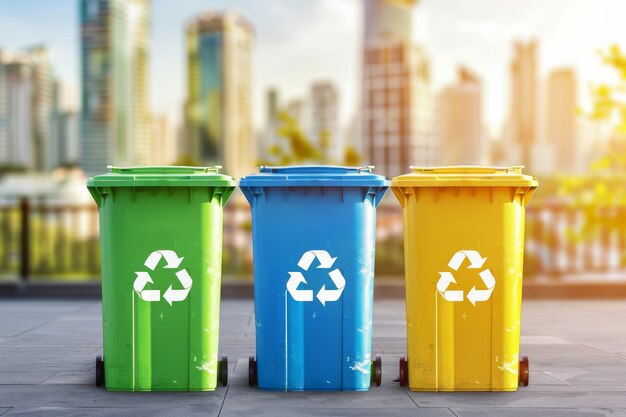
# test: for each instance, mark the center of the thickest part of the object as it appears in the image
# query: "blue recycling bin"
(313, 232)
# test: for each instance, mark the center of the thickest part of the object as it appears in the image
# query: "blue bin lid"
(314, 176)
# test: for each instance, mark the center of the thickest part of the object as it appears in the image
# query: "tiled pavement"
(577, 354)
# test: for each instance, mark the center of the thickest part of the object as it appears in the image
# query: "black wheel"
(404, 371)
(99, 371)
(224, 371)
(252, 377)
(524, 371)
(377, 368)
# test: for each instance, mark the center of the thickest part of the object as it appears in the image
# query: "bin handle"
(164, 170)
(469, 169)
(308, 169)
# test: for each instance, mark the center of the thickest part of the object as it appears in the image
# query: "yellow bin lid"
(465, 176)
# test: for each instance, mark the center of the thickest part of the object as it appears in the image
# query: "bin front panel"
(464, 258)
(309, 242)
(174, 235)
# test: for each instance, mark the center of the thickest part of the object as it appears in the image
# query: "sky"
(300, 41)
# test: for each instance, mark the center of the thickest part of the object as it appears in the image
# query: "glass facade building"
(115, 113)
(218, 113)
(397, 103)
(26, 108)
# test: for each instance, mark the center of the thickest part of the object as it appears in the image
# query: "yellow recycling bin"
(464, 252)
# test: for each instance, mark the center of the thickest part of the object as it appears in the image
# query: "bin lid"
(465, 176)
(162, 176)
(314, 176)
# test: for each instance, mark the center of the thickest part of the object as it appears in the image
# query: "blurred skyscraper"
(218, 110)
(25, 108)
(325, 120)
(561, 119)
(269, 136)
(115, 73)
(300, 110)
(397, 104)
(164, 141)
(64, 127)
(523, 117)
(463, 141)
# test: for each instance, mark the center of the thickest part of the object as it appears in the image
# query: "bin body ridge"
(464, 244)
(161, 250)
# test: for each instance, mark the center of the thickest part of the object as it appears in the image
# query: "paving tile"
(112, 411)
(525, 412)
(89, 396)
(585, 377)
(4, 410)
(24, 377)
(542, 340)
(86, 378)
(250, 401)
(523, 399)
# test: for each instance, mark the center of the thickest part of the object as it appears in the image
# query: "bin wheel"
(252, 376)
(524, 372)
(377, 374)
(99, 371)
(224, 371)
(404, 371)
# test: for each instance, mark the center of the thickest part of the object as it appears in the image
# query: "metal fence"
(43, 240)
(46, 241)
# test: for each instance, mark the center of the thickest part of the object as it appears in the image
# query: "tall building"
(300, 110)
(218, 110)
(25, 107)
(523, 117)
(460, 127)
(63, 149)
(269, 136)
(561, 119)
(115, 72)
(397, 103)
(164, 141)
(324, 129)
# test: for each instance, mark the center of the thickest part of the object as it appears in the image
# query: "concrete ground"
(577, 354)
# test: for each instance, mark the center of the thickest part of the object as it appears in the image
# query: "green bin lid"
(162, 176)
(465, 176)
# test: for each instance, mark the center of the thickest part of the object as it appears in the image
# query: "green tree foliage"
(296, 147)
(186, 161)
(601, 195)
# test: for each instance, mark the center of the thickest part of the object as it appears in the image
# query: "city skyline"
(555, 26)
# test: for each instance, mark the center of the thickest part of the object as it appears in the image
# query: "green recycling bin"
(161, 250)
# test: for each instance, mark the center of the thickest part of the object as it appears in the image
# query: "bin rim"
(465, 176)
(162, 176)
(314, 176)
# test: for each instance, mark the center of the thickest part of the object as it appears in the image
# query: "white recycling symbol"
(323, 295)
(172, 262)
(474, 295)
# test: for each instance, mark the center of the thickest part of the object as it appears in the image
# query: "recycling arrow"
(173, 261)
(474, 295)
(171, 295)
(324, 258)
(326, 261)
(325, 295)
(476, 261)
(446, 278)
(179, 295)
(142, 279)
(292, 286)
